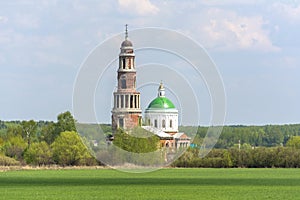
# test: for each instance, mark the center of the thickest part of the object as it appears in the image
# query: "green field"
(161, 184)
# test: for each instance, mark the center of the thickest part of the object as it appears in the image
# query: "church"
(161, 116)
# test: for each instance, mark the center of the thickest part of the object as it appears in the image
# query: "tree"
(13, 130)
(28, 130)
(38, 154)
(68, 149)
(294, 142)
(48, 133)
(138, 141)
(15, 147)
(65, 122)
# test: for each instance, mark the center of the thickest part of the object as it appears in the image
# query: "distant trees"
(262, 157)
(294, 142)
(267, 136)
(44, 143)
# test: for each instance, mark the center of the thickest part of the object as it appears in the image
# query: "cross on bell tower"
(126, 112)
(126, 31)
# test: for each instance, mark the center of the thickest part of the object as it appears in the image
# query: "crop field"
(162, 184)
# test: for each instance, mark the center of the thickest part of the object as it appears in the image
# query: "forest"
(64, 143)
(255, 136)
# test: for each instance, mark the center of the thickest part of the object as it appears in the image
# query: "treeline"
(59, 143)
(255, 136)
(43, 143)
(263, 157)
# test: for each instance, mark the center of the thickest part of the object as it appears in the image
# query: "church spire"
(126, 31)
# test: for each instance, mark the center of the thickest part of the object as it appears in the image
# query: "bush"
(137, 141)
(68, 149)
(262, 157)
(15, 147)
(7, 161)
(38, 154)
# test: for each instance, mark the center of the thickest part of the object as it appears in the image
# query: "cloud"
(20, 49)
(139, 7)
(288, 11)
(225, 30)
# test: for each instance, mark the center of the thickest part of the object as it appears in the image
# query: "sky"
(255, 46)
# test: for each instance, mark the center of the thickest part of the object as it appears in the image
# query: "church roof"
(161, 103)
(126, 43)
(157, 132)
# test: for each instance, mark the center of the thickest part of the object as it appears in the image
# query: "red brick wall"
(130, 81)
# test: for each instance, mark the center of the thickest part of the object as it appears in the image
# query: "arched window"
(123, 63)
(171, 124)
(155, 123)
(167, 144)
(121, 122)
(164, 123)
(123, 82)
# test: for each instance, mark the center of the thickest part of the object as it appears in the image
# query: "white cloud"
(225, 30)
(288, 11)
(139, 7)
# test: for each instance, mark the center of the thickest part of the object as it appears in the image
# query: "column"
(119, 101)
(139, 104)
(124, 103)
(127, 101)
(133, 102)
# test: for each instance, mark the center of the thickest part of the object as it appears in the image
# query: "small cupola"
(161, 90)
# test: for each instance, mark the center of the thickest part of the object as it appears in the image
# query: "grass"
(161, 184)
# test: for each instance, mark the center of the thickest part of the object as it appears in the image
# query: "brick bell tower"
(126, 112)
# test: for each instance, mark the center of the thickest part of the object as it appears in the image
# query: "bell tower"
(126, 112)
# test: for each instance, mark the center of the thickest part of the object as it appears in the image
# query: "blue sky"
(254, 44)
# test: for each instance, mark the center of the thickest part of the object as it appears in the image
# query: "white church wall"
(160, 116)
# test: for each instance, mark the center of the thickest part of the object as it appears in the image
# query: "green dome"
(161, 103)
